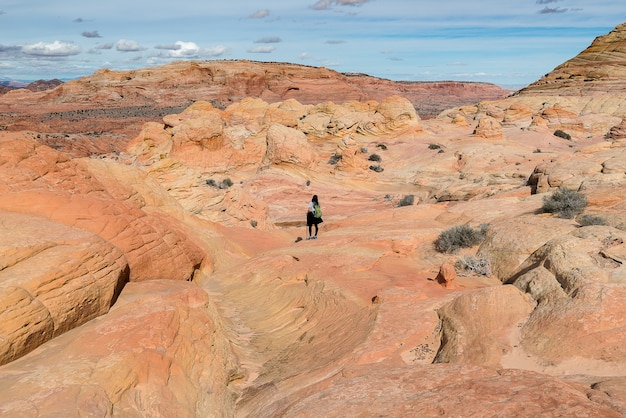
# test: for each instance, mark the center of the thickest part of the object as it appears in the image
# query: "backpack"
(318, 211)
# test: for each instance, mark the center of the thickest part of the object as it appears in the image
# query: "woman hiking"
(313, 216)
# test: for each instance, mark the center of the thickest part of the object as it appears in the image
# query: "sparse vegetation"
(460, 236)
(586, 220)
(537, 151)
(562, 134)
(364, 150)
(566, 203)
(253, 223)
(472, 266)
(434, 146)
(334, 159)
(376, 168)
(382, 146)
(407, 200)
(224, 184)
(375, 157)
(308, 182)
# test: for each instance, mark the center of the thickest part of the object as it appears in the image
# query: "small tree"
(566, 203)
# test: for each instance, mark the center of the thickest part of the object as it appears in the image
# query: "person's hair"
(314, 199)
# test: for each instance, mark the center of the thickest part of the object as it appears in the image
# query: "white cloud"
(181, 49)
(262, 49)
(322, 5)
(350, 2)
(125, 45)
(327, 4)
(260, 14)
(268, 40)
(107, 45)
(54, 49)
(216, 51)
(91, 34)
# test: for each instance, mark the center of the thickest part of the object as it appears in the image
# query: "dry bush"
(566, 203)
(460, 236)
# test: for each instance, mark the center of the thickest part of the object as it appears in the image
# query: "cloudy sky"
(507, 42)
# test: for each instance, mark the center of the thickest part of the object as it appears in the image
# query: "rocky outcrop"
(102, 112)
(52, 278)
(600, 68)
(226, 311)
(159, 349)
(37, 180)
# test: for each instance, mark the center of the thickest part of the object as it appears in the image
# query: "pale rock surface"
(287, 145)
(577, 278)
(476, 325)
(488, 127)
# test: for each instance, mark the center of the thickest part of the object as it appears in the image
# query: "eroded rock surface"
(226, 311)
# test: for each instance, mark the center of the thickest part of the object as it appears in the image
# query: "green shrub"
(375, 157)
(472, 266)
(460, 236)
(377, 168)
(566, 203)
(586, 220)
(211, 182)
(434, 146)
(406, 200)
(562, 134)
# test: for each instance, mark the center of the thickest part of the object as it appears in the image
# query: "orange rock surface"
(172, 278)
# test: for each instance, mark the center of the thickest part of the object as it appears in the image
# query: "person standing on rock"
(313, 216)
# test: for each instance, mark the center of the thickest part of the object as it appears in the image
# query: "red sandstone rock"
(446, 275)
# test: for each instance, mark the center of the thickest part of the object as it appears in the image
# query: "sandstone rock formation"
(171, 278)
(102, 112)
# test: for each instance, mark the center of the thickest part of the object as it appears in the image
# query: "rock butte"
(169, 278)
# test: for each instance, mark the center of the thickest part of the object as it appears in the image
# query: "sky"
(511, 43)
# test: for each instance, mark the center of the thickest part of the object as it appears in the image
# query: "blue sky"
(510, 43)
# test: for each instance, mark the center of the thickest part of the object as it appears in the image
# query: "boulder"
(488, 127)
(476, 325)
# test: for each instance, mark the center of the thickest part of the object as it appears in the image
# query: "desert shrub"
(375, 157)
(586, 220)
(562, 134)
(537, 151)
(434, 146)
(308, 182)
(566, 203)
(376, 168)
(334, 159)
(226, 183)
(364, 150)
(472, 266)
(407, 200)
(382, 146)
(460, 236)
(253, 223)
